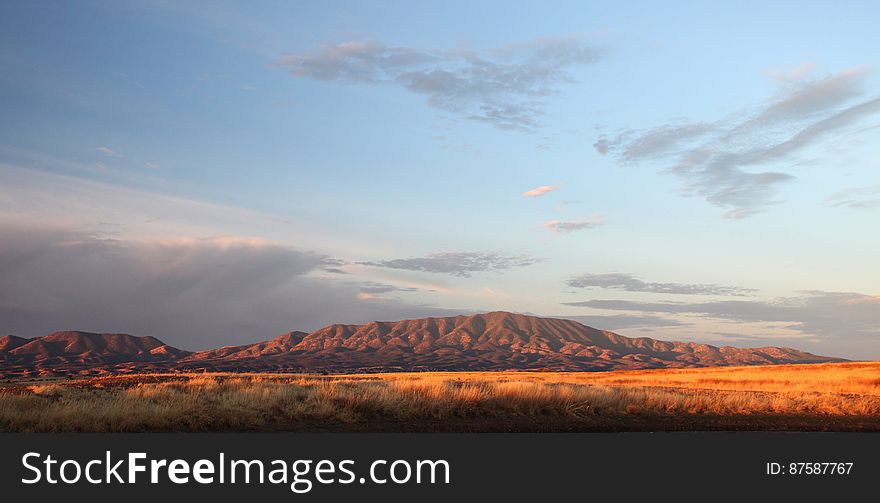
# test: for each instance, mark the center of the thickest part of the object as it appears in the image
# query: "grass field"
(832, 397)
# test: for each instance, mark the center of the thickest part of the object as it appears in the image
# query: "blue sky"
(214, 173)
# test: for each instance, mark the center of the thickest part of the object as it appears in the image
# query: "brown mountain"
(283, 344)
(491, 341)
(66, 352)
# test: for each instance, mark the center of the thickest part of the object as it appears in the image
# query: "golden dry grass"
(755, 397)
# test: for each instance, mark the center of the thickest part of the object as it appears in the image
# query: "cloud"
(833, 315)
(792, 74)
(334, 266)
(114, 210)
(858, 198)
(152, 165)
(108, 151)
(623, 321)
(193, 293)
(83, 255)
(564, 227)
(505, 87)
(372, 287)
(374, 291)
(461, 264)
(633, 146)
(540, 191)
(728, 161)
(629, 283)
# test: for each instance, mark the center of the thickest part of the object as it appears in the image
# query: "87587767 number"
(809, 468)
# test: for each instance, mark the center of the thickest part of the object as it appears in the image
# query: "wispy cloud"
(108, 151)
(373, 291)
(505, 87)
(540, 191)
(564, 227)
(372, 287)
(858, 198)
(726, 161)
(629, 283)
(461, 264)
(32, 195)
(840, 315)
(792, 74)
(624, 321)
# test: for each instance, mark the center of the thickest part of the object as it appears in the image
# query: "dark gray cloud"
(726, 161)
(833, 315)
(373, 287)
(858, 198)
(623, 321)
(193, 293)
(629, 283)
(461, 264)
(334, 265)
(505, 87)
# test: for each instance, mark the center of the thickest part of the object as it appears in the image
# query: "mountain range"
(481, 342)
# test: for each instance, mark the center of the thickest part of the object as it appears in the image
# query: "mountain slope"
(491, 341)
(282, 344)
(65, 352)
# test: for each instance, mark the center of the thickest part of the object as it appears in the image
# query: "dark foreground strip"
(416, 467)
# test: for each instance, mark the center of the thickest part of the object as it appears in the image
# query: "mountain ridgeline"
(482, 342)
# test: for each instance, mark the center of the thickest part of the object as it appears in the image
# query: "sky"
(215, 173)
